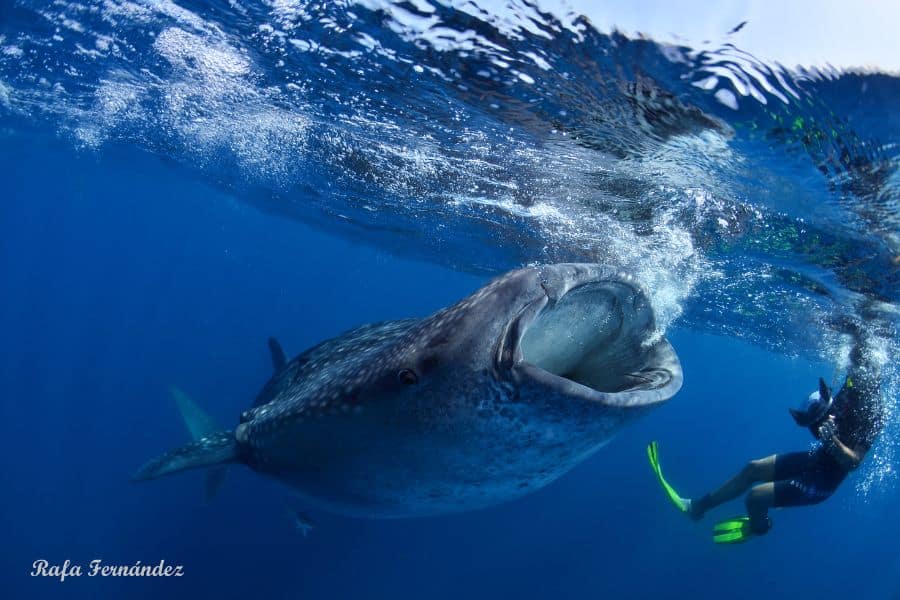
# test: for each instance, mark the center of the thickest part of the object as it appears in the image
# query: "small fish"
(737, 27)
(301, 520)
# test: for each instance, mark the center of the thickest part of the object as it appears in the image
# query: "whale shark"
(480, 403)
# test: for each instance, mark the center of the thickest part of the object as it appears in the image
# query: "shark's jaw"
(592, 338)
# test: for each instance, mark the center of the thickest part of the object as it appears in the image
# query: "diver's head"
(814, 408)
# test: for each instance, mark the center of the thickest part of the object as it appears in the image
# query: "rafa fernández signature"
(97, 568)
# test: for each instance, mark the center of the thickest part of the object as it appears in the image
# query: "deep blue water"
(183, 180)
(122, 277)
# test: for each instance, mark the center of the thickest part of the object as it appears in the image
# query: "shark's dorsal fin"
(278, 359)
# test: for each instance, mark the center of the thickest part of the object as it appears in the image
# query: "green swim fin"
(733, 531)
(653, 455)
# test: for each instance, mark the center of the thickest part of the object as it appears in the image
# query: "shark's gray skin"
(477, 404)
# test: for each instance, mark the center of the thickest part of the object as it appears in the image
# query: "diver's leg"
(817, 480)
(802, 478)
(753, 472)
(760, 499)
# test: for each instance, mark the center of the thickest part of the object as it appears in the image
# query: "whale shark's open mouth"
(597, 341)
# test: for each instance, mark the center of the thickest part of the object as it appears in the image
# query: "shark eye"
(407, 377)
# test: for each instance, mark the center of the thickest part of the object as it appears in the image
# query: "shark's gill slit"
(587, 337)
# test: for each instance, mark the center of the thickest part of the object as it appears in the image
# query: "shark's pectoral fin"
(199, 424)
(211, 446)
(215, 449)
(279, 360)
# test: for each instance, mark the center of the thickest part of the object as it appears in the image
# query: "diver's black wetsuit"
(803, 478)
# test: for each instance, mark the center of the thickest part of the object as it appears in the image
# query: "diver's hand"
(827, 431)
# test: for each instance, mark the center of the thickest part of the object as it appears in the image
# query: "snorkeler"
(845, 428)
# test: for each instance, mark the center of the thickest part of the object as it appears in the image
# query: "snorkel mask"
(815, 407)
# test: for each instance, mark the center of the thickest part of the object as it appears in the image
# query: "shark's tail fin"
(211, 446)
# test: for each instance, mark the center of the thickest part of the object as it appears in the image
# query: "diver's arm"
(846, 455)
